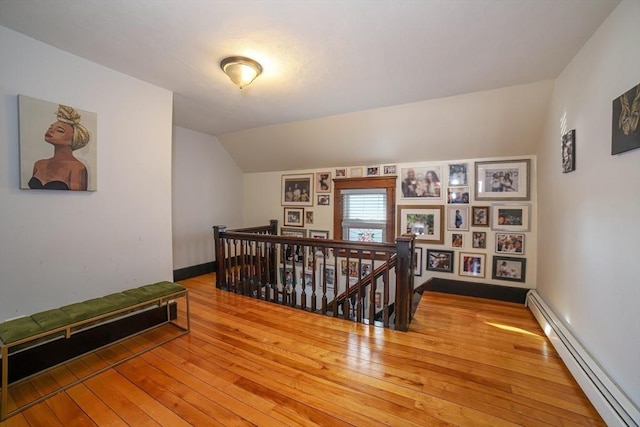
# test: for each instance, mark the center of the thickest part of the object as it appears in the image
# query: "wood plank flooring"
(464, 362)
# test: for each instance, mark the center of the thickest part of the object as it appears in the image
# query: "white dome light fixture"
(242, 71)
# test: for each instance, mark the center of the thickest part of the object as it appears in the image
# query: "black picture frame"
(511, 269)
(569, 151)
(439, 260)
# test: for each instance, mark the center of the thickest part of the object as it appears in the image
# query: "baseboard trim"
(194, 271)
(610, 401)
(475, 289)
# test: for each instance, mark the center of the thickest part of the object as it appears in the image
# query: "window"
(364, 209)
(364, 214)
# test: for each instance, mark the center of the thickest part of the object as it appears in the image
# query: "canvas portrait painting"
(58, 146)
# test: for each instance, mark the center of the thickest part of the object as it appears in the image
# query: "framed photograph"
(510, 217)
(293, 232)
(625, 132)
(378, 300)
(292, 254)
(424, 222)
(421, 182)
(373, 170)
(438, 260)
(297, 190)
(479, 240)
(471, 264)
(502, 180)
(341, 173)
(457, 218)
(417, 261)
(323, 182)
(355, 172)
(327, 272)
(458, 174)
(457, 240)
(308, 217)
(458, 194)
(319, 234)
(389, 170)
(294, 217)
(510, 243)
(480, 216)
(509, 268)
(324, 200)
(569, 151)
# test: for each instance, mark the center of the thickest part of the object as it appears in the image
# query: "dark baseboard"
(193, 271)
(475, 289)
(35, 359)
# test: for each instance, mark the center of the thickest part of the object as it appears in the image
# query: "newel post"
(404, 281)
(218, 250)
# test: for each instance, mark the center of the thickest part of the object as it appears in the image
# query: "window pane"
(365, 234)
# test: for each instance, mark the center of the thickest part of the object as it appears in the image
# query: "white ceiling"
(320, 58)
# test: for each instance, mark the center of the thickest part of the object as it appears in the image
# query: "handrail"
(303, 272)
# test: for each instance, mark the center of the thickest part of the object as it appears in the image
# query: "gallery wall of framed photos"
(474, 219)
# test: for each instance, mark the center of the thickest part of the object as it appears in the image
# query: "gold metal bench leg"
(4, 398)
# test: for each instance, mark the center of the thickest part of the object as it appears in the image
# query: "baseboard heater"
(609, 400)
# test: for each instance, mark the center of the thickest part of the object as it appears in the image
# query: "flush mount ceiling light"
(242, 71)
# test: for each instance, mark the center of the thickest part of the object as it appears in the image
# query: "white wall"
(262, 202)
(589, 241)
(63, 247)
(207, 191)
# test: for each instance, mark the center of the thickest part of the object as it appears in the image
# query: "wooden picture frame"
(293, 232)
(293, 217)
(480, 216)
(509, 268)
(341, 173)
(471, 264)
(423, 221)
(502, 180)
(510, 243)
(510, 217)
(297, 190)
(438, 260)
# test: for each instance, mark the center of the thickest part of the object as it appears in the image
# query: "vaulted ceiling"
(320, 58)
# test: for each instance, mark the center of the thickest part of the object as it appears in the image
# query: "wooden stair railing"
(307, 273)
(357, 289)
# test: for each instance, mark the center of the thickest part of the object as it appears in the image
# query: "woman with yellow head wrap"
(63, 171)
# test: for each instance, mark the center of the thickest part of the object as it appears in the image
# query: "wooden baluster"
(314, 267)
(385, 295)
(358, 305)
(294, 275)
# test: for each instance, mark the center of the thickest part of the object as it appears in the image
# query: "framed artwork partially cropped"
(625, 126)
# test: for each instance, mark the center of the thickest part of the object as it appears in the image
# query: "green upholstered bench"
(29, 331)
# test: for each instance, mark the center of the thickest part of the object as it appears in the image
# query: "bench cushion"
(17, 329)
(51, 319)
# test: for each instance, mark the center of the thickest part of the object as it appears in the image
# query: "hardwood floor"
(464, 361)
